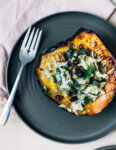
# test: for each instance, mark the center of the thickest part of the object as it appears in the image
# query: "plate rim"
(42, 133)
(106, 147)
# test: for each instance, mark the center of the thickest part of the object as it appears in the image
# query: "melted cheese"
(64, 106)
(59, 64)
(80, 80)
(91, 60)
(77, 106)
(65, 81)
(49, 65)
(82, 63)
(92, 91)
(88, 61)
(100, 75)
(47, 73)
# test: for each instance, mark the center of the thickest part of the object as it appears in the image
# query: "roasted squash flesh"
(79, 75)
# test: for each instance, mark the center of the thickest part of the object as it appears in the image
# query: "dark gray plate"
(43, 114)
(112, 147)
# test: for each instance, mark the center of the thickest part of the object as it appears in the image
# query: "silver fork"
(27, 53)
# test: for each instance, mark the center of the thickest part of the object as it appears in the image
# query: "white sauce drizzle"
(76, 106)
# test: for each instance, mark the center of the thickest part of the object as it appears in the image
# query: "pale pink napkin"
(17, 15)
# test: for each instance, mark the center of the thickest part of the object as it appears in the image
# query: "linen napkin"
(17, 15)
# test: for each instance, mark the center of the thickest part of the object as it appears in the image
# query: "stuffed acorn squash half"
(79, 74)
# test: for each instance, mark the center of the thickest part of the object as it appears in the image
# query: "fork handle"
(7, 108)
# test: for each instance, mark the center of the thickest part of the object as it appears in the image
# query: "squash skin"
(92, 41)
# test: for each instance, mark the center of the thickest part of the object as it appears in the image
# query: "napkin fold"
(17, 15)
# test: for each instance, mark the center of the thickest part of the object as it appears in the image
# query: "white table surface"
(17, 136)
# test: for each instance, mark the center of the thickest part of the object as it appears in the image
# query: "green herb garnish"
(65, 75)
(77, 46)
(75, 57)
(69, 84)
(67, 104)
(107, 64)
(57, 91)
(66, 66)
(67, 92)
(85, 58)
(63, 89)
(83, 51)
(90, 69)
(90, 53)
(59, 82)
(79, 37)
(49, 93)
(58, 71)
(54, 78)
(69, 55)
(76, 84)
(51, 71)
(95, 70)
(82, 91)
(86, 100)
(70, 50)
(87, 73)
(57, 97)
(96, 83)
(70, 46)
(102, 66)
(73, 90)
(48, 90)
